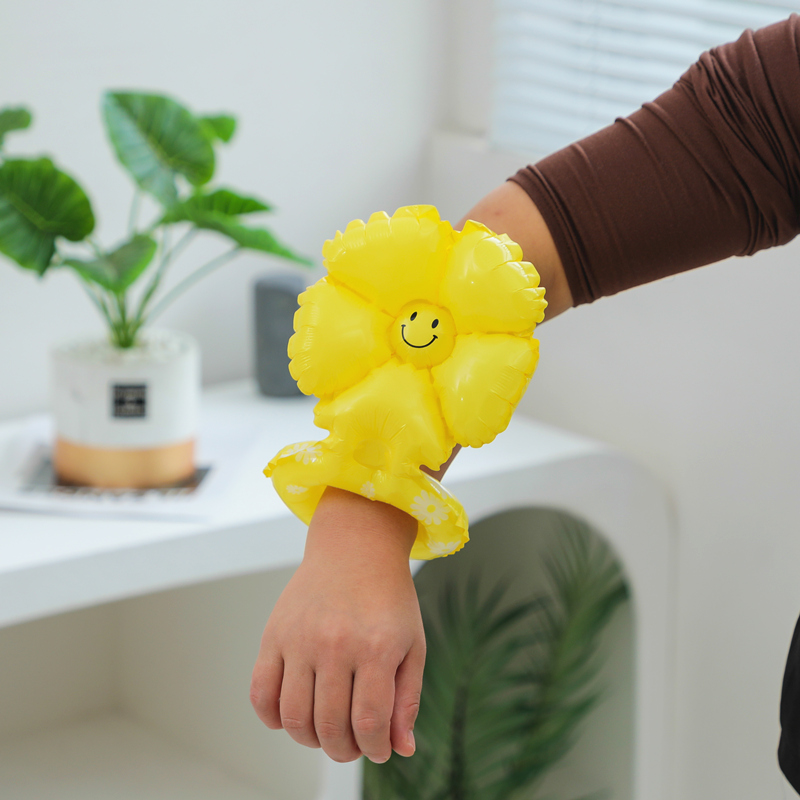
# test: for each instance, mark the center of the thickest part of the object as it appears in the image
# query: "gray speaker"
(276, 302)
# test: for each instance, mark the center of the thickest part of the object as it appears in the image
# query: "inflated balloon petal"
(418, 338)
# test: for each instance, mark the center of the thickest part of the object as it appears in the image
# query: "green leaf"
(119, 268)
(507, 685)
(39, 202)
(249, 238)
(13, 119)
(222, 201)
(220, 126)
(155, 138)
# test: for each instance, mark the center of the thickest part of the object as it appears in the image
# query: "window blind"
(565, 68)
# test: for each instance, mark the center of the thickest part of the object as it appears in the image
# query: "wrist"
(346, 526)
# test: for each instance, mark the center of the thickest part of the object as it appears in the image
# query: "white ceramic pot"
(126, 418)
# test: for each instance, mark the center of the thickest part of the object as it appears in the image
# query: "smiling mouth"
(418, 346)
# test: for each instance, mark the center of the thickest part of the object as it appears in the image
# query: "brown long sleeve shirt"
(709, 169)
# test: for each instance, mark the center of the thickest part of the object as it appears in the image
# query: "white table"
(50, 565)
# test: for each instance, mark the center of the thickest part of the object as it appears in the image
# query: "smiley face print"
(423, 334)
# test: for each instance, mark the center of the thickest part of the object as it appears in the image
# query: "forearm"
(508, 209)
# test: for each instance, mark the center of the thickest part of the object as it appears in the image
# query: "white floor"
(110, 758)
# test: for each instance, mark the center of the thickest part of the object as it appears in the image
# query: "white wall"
(216, 627)
(335, 103)
(47, 677)
(697, 377)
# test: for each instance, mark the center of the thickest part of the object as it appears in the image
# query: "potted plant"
(506, 685)
(126, 406)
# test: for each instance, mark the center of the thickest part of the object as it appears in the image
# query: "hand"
(342, 655)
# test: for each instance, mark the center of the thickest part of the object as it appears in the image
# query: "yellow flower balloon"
(420, 337)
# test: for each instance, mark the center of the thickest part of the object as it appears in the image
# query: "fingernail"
(379, 760)
(411, 740)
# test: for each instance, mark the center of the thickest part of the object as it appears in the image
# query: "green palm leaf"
(220, 210)
(39, 202)
(220, 126)
(222, 201)
(587, 588)
(249, 238)
(155, 138)
(119, 268)
(506, 686)
(13, 119)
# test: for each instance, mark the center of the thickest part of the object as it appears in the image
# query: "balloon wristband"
(419, 338)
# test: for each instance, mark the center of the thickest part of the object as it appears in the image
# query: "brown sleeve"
(708, 170)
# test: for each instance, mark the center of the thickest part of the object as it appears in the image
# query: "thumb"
(407, 689)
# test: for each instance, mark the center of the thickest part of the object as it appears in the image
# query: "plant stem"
(168, 256)
(457, 788)
(96, 296)
(126, 328)
(134, 215)
(94, 244)
(191, 279)
(100, 303)
(179, 247)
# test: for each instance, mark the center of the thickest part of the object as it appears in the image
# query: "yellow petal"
(338, 339)
(390, 421)
(392, 261)
(488, 288)
(482, 382)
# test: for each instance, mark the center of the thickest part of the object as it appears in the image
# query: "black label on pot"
(130, 400)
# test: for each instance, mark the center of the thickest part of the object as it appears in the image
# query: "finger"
(333, 690)
(297, 703)
(265, 690)
(373, 698)
(407, 690)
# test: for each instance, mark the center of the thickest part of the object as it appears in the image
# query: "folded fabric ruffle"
(300, 473)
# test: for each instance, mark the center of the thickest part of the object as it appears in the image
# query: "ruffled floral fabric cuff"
(419, 338)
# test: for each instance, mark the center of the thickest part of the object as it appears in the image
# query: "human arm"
(692, 178)
(341, 659)
(708, 170)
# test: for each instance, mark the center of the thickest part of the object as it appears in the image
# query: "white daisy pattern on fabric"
(443, 548)
(368, 490)
(295, 489)
(429, 509)
(307, 452)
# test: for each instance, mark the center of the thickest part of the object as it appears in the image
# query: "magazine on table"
(29, 483)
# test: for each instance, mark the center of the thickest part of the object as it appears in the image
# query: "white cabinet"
(126, 646)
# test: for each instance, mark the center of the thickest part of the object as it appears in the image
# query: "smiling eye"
(434, 323)
(413, 316)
